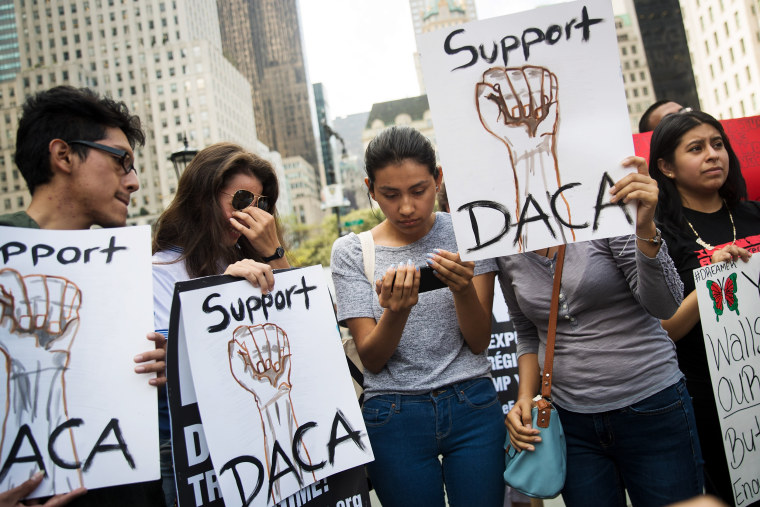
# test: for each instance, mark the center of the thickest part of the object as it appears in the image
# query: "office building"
(328, 138)
(162, 58)
(431, 15)
(667, 53)
(263, 39)
(724, 40)
(639, 91)
(303, 187)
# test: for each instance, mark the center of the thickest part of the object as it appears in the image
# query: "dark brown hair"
(195, 222)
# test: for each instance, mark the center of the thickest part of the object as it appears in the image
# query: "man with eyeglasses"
(75, 151)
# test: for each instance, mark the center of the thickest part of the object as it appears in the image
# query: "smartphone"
(428, 280)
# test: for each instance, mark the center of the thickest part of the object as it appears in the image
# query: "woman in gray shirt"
(428, 388)
(622, 400)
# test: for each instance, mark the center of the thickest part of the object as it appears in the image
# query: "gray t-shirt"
(610, 350)
(432, 352)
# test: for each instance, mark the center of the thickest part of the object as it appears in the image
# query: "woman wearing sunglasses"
(222, 220)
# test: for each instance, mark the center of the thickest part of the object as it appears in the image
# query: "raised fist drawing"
(520, 107)
(260, 362)
(40, 318)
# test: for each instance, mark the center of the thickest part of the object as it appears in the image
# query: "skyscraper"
(430, 15)
(639, 92)
(326, 134)
(263, 39)
(662, 32)
(724, 39)
(10, 62)
(163, 58)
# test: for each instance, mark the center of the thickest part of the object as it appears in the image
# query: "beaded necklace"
(705, 244)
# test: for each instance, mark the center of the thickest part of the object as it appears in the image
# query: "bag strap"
(368, 252)
(546, 376)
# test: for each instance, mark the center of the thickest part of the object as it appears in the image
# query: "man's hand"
(153, 361)
(13, 497)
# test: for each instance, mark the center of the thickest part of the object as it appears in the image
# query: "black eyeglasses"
(244, 198)
(122, 156)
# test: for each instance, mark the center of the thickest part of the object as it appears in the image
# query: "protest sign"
(262, 403)
(531, 124)
(744, 136)
(729, 309)
(502, 352)
(76, 308)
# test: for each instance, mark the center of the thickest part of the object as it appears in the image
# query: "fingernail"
(409, 263)
(391, 267)
(139, 358)
(417, 268)
(429, 262)
(429, 255)
(153, 382)
(437, 250)
(38, 474)
(139, 369)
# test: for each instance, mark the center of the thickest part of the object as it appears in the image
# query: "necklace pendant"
(704, 244)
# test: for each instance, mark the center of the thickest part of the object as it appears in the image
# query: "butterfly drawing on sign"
(724, 293)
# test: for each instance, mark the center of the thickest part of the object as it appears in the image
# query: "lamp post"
(180, 159)
(330, 133)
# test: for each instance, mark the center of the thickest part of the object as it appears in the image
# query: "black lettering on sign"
(529, 37)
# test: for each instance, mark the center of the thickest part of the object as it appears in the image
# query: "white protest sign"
(531, 124)
(272, 385)
(76, 308)
(729, 308)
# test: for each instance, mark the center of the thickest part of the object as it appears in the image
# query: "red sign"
(744, 134)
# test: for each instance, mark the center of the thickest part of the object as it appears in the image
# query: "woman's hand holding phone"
(451, 269)
(398, 289)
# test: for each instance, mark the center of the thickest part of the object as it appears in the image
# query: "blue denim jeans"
(462, 423)
(167, 473)
(650, 448)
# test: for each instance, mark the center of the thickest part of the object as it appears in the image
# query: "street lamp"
(335, 188)
(180, 159)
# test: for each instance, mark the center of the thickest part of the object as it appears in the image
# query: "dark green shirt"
(19, 219)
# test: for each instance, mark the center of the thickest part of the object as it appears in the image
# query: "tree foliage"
(315, 246)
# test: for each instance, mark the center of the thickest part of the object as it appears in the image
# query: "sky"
(362, 51)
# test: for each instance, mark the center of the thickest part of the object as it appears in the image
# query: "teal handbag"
(541, 473)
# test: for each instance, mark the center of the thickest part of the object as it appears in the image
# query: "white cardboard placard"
(76, 310)
(531, 125)
(274, 392)
(729, 308)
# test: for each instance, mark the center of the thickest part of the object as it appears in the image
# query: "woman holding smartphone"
(430, 407)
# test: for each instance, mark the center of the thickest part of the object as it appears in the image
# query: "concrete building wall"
(724, 41)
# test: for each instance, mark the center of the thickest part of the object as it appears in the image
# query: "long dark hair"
(665, 139)
(195, 222)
